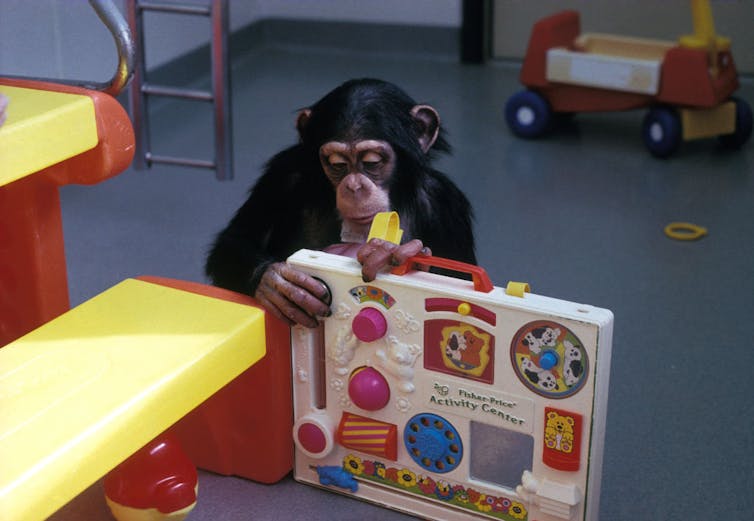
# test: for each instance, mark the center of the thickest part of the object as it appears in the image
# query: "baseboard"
(427, 41)
(363, 37)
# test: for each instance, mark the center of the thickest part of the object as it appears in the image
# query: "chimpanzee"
(364, 148)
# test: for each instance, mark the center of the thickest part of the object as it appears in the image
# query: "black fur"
(292, 206)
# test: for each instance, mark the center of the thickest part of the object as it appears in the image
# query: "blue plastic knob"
(548, 360)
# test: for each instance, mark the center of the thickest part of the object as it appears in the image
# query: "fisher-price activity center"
(451, 399)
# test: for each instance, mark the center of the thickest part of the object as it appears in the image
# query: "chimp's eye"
(337, 162)
(371, 160)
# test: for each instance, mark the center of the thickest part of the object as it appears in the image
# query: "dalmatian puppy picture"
(540, 337)
(530, 369)
(547, 381)
(573, 367)
(544, 379)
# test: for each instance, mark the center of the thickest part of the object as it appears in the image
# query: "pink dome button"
(369, 325)
(368, 389)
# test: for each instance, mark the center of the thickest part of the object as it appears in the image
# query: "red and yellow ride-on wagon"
(687, 86)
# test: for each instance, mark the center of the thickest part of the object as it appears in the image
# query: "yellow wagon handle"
(704, 36)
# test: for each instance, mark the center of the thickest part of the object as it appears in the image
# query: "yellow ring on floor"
(682, 231)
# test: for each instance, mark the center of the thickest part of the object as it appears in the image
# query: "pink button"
(369, 325)
(311, 438)
(368, 389)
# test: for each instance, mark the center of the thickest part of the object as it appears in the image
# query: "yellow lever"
(386, 226)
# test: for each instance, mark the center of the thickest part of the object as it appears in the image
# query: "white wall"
(65, 39)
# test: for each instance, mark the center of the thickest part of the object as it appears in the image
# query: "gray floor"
(579, 215)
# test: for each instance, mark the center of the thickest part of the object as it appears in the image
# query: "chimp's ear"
(429, 125)
(301, 121)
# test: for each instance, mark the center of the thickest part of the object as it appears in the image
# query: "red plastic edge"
(479, 277)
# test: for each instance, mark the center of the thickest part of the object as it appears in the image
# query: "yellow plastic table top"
(43, 128)
(88, 389)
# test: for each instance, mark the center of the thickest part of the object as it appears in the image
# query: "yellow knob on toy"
(517, 289)
(386, 226)
(464, 308)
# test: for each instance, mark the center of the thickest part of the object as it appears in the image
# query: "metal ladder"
(141, 90)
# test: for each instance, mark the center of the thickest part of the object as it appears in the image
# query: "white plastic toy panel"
(426, 395)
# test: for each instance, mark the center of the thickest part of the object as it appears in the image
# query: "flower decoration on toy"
(459, 495)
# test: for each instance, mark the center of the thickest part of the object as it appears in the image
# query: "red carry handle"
(479, 277)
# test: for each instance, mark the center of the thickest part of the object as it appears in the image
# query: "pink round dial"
(369, 325)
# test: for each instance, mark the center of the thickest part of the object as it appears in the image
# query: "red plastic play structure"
(244, 429)
(33, 272)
